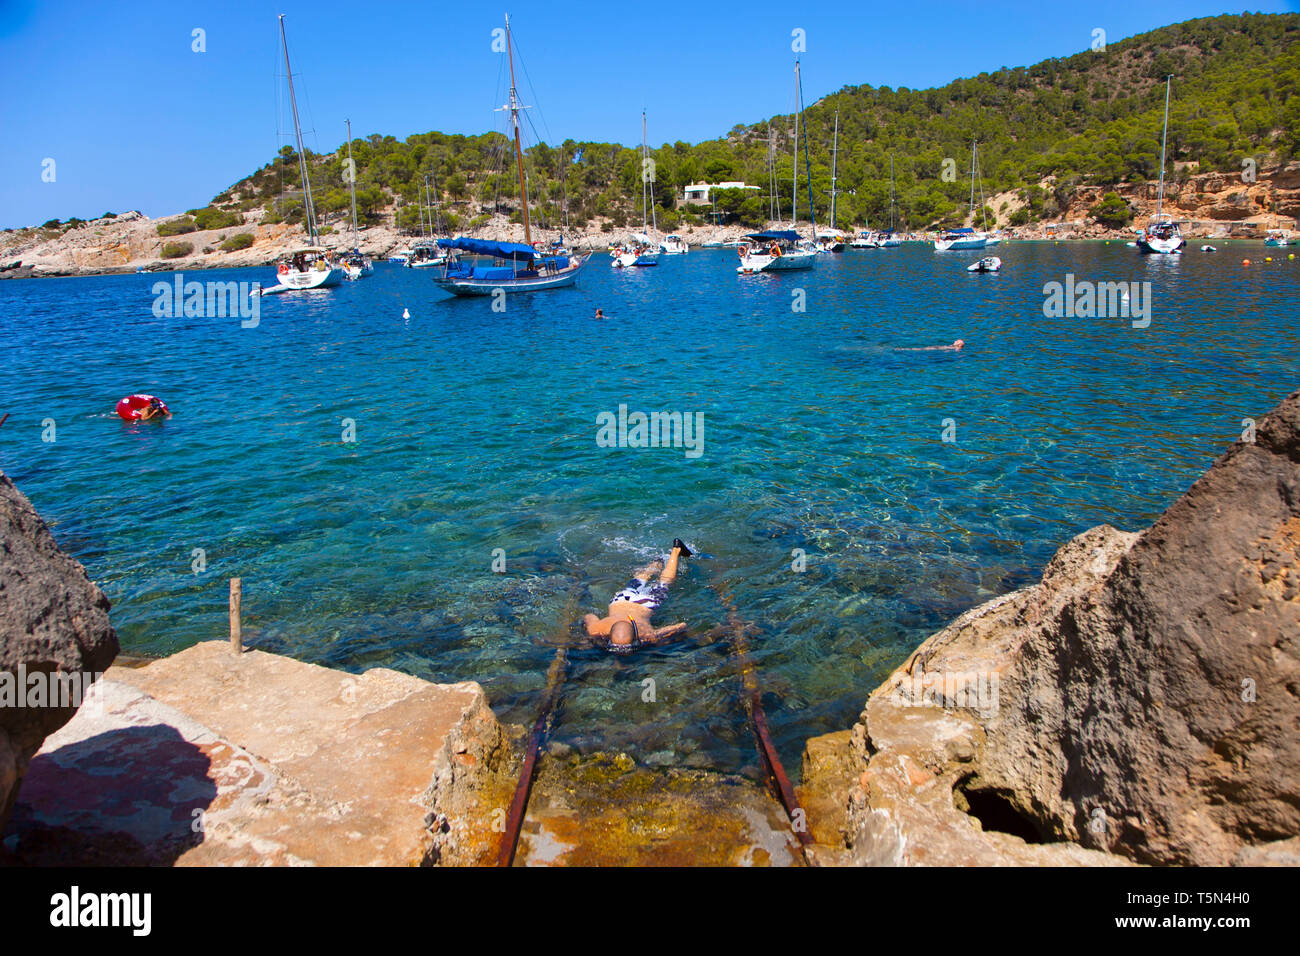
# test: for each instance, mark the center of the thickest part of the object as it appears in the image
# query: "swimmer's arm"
(596, 627)
(663, 633)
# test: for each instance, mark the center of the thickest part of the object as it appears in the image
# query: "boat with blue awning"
(510, 266)
(513, 266)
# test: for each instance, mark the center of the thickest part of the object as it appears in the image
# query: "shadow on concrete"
(127, 797)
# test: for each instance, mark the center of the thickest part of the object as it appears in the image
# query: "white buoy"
(406, 313)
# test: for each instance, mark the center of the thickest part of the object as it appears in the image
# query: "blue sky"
(135, 119)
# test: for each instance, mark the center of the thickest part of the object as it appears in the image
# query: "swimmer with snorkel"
(627, 626)
(955, 347)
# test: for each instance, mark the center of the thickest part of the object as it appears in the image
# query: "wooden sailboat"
(516, 267)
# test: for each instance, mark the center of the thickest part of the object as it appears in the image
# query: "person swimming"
(955, 347)
(600, 314)
(628, 625)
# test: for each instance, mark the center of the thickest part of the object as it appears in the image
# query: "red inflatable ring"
(132, 407)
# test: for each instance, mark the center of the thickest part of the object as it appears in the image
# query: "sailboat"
(642, 250)
(1162, 235)
(889, 240)
(516, 267)
(783, 250)
(964, 238)
(310, 267)
(425, 252)
(831, 239)
(355, 264)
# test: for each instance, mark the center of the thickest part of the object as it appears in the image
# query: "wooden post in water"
(236, 624)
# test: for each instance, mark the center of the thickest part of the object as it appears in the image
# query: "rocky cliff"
(54, 638)
(1140, 704)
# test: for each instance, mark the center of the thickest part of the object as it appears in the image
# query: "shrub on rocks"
(238, 241)
(175, 250)
(176, 227)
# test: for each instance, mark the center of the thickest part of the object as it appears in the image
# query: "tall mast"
(972, 183)
(891, 193)
(835, 155)
(435, 206)
(1160, 198)
(352, 184)
(645, 183)
(794, 210)
(309, 210)
(514, 108)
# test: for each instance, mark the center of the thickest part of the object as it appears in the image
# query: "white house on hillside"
(700, 193)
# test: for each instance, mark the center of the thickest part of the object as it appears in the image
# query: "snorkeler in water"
(955, 347)
(627, 626)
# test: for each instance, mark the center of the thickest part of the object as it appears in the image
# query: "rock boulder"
(53, 621)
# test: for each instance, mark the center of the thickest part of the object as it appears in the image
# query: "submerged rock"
(54, 634)
(1137, 705)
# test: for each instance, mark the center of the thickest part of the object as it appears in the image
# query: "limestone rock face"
(53, 620)
(1140, 702)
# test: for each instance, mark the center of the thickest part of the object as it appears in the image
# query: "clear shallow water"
(476, 430)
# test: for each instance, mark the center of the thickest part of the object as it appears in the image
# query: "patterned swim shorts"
(642, 592)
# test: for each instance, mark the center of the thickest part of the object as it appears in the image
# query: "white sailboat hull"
(787, 262)
(1151, 245)
(311, 279)
(964, 242)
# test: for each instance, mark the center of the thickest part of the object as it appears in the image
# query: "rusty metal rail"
(541, 730)
(758, 719)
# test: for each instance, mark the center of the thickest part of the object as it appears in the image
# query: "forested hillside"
(1092, 118)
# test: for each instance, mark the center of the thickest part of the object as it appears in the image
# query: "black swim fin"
(686, 552)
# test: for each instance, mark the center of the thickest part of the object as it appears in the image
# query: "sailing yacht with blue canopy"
(516, 266)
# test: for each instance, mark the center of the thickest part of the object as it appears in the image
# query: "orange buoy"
(1245, 262)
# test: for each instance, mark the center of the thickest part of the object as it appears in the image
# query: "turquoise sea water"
(476, 430)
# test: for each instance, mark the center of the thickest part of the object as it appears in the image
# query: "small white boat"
(425, 254)
(830, 240)
(1277, 237)
(1161, 236)
(776, 251)
(640, 251)
(864, 240)
(674, 245)
(960, 239)
(987, 264)
(308, 268)
(400, 256)
(357, 266)
(1208, 249)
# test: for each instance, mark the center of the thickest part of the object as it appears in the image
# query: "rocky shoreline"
(1139, 705)
(1214, 206)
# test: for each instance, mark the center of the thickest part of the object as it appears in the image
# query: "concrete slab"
(207, 758)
